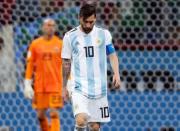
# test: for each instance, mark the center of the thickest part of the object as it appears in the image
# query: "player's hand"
(116, 81)
(65, 94)
(28, 90)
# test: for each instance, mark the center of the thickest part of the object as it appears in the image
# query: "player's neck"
(47, 37)
(84, 31)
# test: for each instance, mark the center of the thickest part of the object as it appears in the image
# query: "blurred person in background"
(44, 64)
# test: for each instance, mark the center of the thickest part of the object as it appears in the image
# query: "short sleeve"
(108, 37)
(31, 52)
(109, 46)
(30, 62)
(66, 48)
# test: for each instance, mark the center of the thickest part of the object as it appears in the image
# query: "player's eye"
(88, 22)
(51, 25)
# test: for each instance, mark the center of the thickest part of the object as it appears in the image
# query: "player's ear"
(56, 27)
(95, 19)
(80, 19)
(42, 28)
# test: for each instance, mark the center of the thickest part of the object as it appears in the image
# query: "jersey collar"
(84, 34)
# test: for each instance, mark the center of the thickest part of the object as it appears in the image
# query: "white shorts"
(96, 109)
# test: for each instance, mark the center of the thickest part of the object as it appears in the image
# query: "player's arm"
(29, 65)
(66, 57)
(66, 71)
(110, 51)
(115, 67)
(28, 91)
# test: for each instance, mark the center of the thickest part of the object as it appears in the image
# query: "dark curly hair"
(87, 9)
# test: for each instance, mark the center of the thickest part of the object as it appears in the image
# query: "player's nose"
(88, 25)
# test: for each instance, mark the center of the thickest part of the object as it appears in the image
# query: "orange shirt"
(45, 63)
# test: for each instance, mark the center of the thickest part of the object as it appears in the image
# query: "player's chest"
(47, 52)
(87, 45)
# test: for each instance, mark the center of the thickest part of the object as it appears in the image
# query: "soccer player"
(45, 64)
(84, 53)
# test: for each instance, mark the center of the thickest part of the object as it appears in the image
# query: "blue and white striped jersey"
(88, 54)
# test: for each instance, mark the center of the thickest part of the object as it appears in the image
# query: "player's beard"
(87, 30)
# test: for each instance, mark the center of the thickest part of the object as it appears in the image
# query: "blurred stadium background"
(146, 35)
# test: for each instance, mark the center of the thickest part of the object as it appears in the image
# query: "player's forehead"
(49, 22)
(89, 19)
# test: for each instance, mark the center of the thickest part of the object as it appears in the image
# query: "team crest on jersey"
(98, 41)
(56, 49)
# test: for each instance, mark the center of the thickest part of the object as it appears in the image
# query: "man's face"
(88, 23)
(49, 27)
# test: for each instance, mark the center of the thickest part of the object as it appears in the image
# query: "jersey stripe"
(90, 64)
(76, 63)
(102, 63)
(83, 65)
(97, 67)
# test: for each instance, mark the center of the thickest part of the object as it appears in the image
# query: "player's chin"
(117, 86)
(87, 30)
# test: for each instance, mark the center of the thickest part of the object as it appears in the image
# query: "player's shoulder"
(56, 38)
(36, 41)
(100, 28)
(72, 31)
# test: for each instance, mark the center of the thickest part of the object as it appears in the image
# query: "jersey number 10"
(104, 112)
(89, 50)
